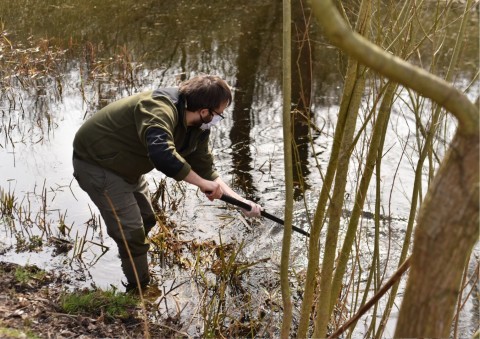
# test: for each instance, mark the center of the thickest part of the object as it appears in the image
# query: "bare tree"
(448, 220)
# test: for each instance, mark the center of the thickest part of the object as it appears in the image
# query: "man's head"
(205, 92)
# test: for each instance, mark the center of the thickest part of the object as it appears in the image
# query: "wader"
(127, 212)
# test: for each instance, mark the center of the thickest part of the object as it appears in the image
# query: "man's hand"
(255, 212)
(211, 189)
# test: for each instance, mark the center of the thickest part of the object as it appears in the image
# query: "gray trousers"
(127, 212)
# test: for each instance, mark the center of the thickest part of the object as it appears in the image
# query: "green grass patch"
(28, 273)
(6, 332)
(110, 303)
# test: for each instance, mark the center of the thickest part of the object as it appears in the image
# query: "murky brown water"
(122, 47)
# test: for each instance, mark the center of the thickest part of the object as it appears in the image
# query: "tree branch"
(395, 277)
(396, 68)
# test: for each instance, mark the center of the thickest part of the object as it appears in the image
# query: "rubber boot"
(149, 223)
(141, 266)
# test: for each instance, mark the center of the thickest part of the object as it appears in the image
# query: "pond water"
(123, 47)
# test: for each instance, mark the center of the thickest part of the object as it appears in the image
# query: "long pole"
(241, 204)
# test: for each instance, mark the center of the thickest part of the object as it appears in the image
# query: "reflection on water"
(61, 62)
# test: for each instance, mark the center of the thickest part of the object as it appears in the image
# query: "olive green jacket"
(115, 137)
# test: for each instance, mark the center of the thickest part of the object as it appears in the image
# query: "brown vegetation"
(32, 309)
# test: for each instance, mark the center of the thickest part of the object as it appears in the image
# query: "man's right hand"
(212, 190)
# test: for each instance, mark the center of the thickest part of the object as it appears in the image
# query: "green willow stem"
(287, 146)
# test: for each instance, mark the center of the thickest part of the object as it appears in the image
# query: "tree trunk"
(446, 233)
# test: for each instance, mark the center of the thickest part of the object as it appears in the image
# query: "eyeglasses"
(219, 114)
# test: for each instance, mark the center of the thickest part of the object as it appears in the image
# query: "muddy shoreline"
(32, 310)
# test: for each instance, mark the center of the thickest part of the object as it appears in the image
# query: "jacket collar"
(177, 99)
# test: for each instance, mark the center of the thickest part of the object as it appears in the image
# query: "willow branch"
(395, 68)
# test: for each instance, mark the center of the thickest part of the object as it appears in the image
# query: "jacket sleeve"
(162, 154)
(156, 121)
(202, 159)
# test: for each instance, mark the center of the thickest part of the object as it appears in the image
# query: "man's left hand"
(255, 212)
